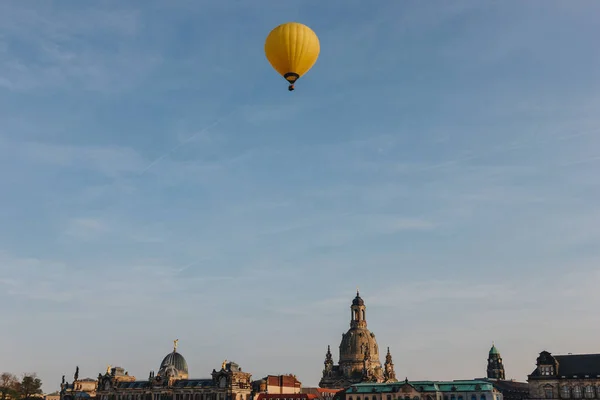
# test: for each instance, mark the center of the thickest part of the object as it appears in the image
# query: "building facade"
(359, 355)
(277, 384)
(284, 396)
(321, 393)
(171, 382)
(423, 390)
(78, 389)
(572, 376)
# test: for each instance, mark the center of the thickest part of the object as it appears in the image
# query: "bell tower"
(358, 317)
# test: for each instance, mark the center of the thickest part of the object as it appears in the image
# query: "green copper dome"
(494, 351)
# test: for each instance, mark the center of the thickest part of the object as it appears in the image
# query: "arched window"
(589, 392)
(548, 392)
(460, 397)
(482, 397)
(565, 392)
(350, 398)
(577, 392)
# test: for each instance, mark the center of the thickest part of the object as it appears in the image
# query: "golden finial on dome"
(108, 369)
(175, 345)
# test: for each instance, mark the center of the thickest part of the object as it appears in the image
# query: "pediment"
(408, 388)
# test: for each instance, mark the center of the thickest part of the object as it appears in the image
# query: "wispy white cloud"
(68, 59)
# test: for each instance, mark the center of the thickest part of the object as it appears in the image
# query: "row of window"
(575, 392)
(429, 397)
(176, 396)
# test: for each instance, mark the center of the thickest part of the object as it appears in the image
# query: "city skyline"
(175, 348)
(159, 182)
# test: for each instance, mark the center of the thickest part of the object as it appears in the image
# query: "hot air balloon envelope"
(292, 49)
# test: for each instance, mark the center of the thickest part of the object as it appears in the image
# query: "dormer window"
(546, 370)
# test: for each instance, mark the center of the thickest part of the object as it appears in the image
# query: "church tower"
(495, 368)
(359, 354)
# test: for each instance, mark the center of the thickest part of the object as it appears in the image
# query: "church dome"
(355, 344)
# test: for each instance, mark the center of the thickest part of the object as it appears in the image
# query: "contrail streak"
(203, 130)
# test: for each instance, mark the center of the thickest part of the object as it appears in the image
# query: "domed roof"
(494, 350)
(176, 361)
(358, 301)
(356, 342)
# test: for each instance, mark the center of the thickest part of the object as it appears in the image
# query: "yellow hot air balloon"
(292, 49)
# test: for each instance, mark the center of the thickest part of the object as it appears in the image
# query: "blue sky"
(160, 182)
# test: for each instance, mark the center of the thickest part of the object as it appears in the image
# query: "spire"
(328, 357)
(388, 369)
(328, 371)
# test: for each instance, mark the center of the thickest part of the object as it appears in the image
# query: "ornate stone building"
(359, 355)
(572, 376)
(172, 383)
(79, 389)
